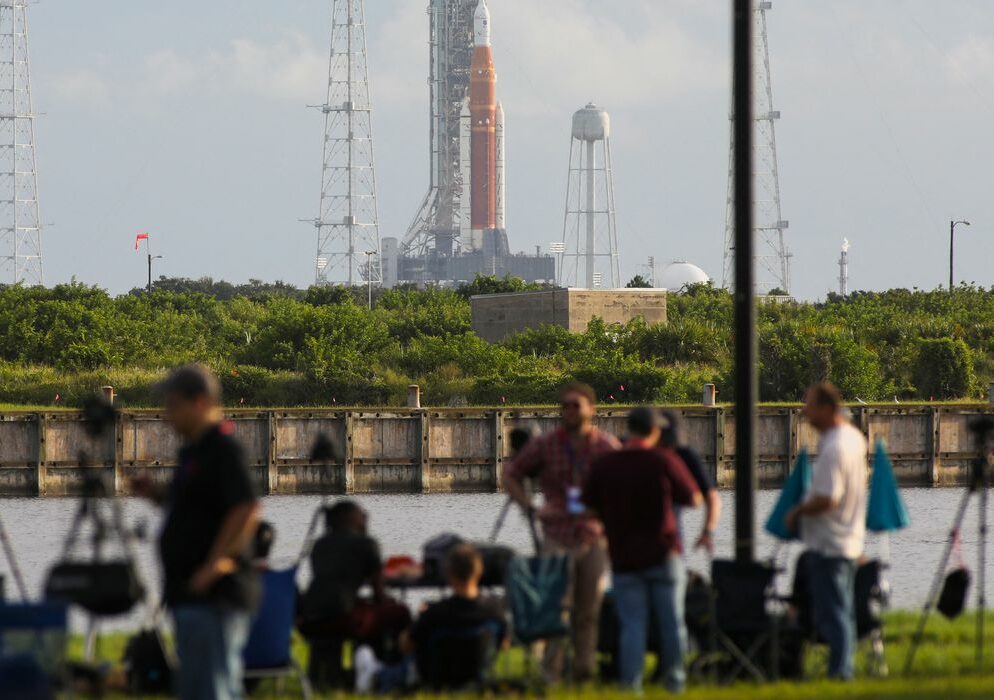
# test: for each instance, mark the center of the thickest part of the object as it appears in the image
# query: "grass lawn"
(944, 668)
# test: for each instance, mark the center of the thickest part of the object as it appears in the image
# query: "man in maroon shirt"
(633, 491)
(559, 461)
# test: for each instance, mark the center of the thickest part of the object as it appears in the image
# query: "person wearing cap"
(633, 491)
(212, 515)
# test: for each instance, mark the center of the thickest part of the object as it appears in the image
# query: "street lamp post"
(369, 278)
(150, 259)
(952, 232)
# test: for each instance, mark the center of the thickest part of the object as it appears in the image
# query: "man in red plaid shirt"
(559, 461)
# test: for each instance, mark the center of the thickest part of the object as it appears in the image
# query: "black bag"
(496, 559)
(434, 553)
(146, 665)
(952, 599)
(102, 588)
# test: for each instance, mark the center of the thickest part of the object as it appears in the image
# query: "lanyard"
(577, 466)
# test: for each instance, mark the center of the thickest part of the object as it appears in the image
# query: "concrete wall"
(496, 316)
(440, 450)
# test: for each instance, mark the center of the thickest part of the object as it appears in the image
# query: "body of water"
(37, 528)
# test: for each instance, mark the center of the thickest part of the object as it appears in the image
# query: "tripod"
(103, 529)
(15, 570)
(980, 468)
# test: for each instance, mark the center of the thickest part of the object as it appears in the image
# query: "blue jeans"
(209, 642)
(833, 590)
(661, 589)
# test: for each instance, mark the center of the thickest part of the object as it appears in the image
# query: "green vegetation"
(944, 667)
(275, 345)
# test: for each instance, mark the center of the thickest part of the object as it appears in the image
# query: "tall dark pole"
(745, 303)
(952, 231)
(149, 273)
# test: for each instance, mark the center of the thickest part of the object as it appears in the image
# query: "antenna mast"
(844, 268)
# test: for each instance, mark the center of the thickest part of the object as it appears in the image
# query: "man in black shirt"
(212, 514)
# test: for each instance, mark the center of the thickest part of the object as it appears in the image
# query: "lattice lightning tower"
(347, 221)
(20, 222)
(772, 256)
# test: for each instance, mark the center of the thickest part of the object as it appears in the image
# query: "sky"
(189, 120)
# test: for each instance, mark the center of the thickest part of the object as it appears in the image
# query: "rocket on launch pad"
(482, 141)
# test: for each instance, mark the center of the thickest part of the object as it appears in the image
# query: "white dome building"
(681, 274)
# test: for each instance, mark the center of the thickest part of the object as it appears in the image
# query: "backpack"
(146, 665)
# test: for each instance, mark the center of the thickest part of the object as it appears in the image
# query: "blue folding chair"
(33, 640)
(268, 653)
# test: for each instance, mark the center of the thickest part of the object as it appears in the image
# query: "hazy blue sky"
(188, 119)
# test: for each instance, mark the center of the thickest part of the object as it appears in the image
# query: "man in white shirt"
(832, 520)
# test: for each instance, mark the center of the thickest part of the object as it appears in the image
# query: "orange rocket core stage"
(483, 144)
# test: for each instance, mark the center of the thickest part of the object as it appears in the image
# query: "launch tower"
(459, 230)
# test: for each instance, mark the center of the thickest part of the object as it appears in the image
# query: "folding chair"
(869, 601)
(33, 638)
(536, 594)
(743, 634)
(268, 653)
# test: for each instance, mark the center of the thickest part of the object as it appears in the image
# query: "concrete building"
(496, 316)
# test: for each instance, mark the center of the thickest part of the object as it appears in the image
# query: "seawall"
(442, 450)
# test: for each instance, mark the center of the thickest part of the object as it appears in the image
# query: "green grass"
(944, 667)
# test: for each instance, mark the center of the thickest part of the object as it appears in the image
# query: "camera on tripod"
(99, 585)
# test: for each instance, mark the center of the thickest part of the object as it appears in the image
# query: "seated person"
(453, 642)
(343, 561)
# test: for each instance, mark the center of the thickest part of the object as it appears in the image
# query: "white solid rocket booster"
(466, 170)
(501, 179)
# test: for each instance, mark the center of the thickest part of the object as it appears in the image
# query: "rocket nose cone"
(481, 24)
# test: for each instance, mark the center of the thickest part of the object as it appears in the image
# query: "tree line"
(275, 345)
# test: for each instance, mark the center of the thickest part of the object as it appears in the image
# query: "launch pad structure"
(459, 228)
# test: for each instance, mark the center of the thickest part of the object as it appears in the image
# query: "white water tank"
(591, 123)
(681, 274)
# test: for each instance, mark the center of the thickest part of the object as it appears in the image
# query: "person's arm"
(684, 488)
(527, 463)
(712, 506)
(234, 536)
(826, 489)
(375, 576)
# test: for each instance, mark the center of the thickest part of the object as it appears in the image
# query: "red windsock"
(140, 237)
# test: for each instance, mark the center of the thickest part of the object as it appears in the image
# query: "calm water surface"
(37, 528)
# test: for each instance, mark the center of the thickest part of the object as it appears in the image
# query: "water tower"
(590, 235)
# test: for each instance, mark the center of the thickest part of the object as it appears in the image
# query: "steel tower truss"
(347, 221)
(590, 233)
(450, 53)
(20, 222)
(772, 256)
